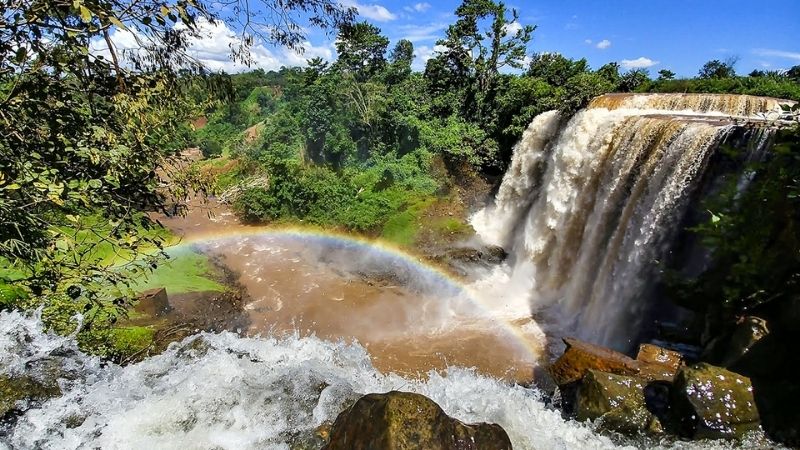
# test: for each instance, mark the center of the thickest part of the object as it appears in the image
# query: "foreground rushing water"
(227, 391)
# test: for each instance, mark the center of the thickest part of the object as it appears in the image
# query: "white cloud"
(512, 28)
(213, 49)
(418, 7)
(604, 44)
(588, 41)
(375, 12)
(777, 53)
(417, 33)
(638, 63)
(423, 53)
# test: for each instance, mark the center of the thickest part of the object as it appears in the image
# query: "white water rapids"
(223, 391)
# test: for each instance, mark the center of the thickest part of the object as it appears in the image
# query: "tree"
(400, 61)
(794, 73)
(361, 49)
(610, 73)
(481, 54)
(85, 128)
(556, 69)
(633, 79)
(666, 74)
(718, 69)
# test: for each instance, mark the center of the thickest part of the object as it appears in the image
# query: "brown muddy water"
(411, 317)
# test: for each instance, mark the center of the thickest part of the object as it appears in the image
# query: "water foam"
(226, 391)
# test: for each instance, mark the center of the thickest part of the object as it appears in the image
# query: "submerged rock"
(580, 357)
(616, 401)
(15, 389)
(710, 402)
(406, 421)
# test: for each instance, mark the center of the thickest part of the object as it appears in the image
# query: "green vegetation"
(184, 271)
(91, 144)
(754, 237)
(126, 342)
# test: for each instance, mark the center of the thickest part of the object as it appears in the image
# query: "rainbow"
(427, 273)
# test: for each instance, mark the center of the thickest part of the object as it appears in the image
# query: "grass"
(403, 227)
(128, 341)
(451, 225)
(185, 271)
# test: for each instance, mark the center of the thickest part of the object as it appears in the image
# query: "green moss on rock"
(713, 403)
(406, 421)
(14, 389)
(616, 401)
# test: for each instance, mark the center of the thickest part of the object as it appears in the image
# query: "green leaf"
(117, 22)
(86, 14)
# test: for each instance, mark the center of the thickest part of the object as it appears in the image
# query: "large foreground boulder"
(580, 357)
(406, 421)
(710, 402)
(616, 401)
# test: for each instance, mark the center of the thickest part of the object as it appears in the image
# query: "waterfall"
(589, 208)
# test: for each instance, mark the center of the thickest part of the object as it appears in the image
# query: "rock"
(657, 363)
(654, 354)
(485, 256)
(580, 356)
(406, 421)
(748, 331)
(616, 401)
(709, 402)
(153, 302)
(14, 389)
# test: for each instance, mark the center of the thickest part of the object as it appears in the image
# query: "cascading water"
(588, 208)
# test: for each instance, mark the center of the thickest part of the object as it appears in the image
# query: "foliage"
(361, 50)
(666, 74)
(779, 87)
(633, 80)
(91, 135)
(754, 236)
(556, 69)
(718, 69)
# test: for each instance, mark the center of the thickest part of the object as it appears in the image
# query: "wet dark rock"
(654, 354)
(579, 357)
(406, 421)
(745, 335)
(153, 302)
(464, 257)
(710, 402)
(14, 389)
(657, 363)
(616, 402)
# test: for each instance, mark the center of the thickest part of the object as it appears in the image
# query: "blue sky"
(679, 35)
